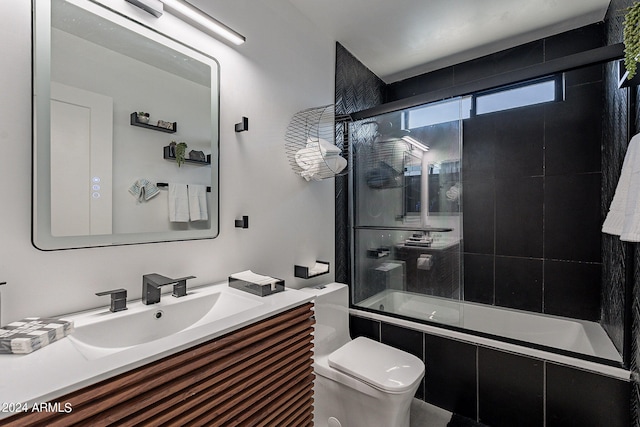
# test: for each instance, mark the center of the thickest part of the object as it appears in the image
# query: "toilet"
(360, 382)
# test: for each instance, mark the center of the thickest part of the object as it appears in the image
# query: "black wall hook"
(242, 223)
(243, 125)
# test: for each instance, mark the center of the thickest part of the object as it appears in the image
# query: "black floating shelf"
(303, 272)
(135, 122)
(170, 156)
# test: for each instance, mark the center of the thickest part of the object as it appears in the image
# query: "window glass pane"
(439, 112)
(536, 93)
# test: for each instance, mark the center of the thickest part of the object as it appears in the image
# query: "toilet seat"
(378, 365)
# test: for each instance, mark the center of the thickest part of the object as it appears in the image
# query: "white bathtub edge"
(586, 365)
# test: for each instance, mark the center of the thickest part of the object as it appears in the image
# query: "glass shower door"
(407, 212)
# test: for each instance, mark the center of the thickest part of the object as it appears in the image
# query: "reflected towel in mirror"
(198, 202)
(178, 203)
(143, 190)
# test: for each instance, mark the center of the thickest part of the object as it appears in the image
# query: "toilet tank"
(332, 317)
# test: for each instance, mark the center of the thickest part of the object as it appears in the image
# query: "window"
(538, 91)
(548, 89)
(438, 112)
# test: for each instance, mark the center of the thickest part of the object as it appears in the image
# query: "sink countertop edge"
(60, 368)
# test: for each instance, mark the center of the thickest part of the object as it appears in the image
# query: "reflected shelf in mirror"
(135, 122)
(168, 155)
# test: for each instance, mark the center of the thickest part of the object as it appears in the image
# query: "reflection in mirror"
(112, 100)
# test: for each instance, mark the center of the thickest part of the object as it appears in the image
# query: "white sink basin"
(101, 332)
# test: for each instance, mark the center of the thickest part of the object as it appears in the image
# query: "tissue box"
(256, 288)
(32, 333)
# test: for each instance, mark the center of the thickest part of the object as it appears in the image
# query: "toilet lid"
(377, 364)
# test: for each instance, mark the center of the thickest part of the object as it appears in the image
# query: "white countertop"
(61, 368)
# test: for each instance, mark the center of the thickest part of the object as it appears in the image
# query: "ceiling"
(398, 39)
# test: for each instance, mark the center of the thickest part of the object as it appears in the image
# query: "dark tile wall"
(593, 399)
(357, 88)
(532, 203)
(503, 401)
(532, 180)
(502, 389)
(621, 119)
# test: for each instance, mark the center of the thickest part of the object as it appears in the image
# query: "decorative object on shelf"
(179, 150)
(197, 155)
(311, 145)
(320, 268)
(169, 153)
(165, 125)
(141, 119)
(631, 38)
(243, 125)
(257, 284)
(242, 223)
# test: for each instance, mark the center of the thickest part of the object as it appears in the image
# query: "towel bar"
(164, 184)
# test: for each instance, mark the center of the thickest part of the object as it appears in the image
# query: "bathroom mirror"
(102, 169)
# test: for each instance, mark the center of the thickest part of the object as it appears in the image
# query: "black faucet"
(151, 284)
(118, 299)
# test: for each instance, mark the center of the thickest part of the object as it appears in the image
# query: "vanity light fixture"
(419, 145)
(191, 14)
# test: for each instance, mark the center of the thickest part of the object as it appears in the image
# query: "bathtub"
(541, 330)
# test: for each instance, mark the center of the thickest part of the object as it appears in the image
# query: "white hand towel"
(328, 168)
(308, 158)
(327, 149)
(178, 203)
(198, 202)
(623, 218)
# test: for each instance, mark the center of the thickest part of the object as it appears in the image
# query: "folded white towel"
(319, 160)
(198, 202)
(623, 218)
(319, 268)
(326, 148)
(308, 158)
(178, 203)
(325, 168)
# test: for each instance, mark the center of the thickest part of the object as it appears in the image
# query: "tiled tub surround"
(61, 368)
(502, 384)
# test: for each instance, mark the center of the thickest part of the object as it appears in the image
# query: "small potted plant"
(179, 150)
(143, 117)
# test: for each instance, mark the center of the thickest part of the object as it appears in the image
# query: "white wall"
(285, 66)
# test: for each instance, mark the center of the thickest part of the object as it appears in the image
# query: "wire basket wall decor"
(314, 148)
